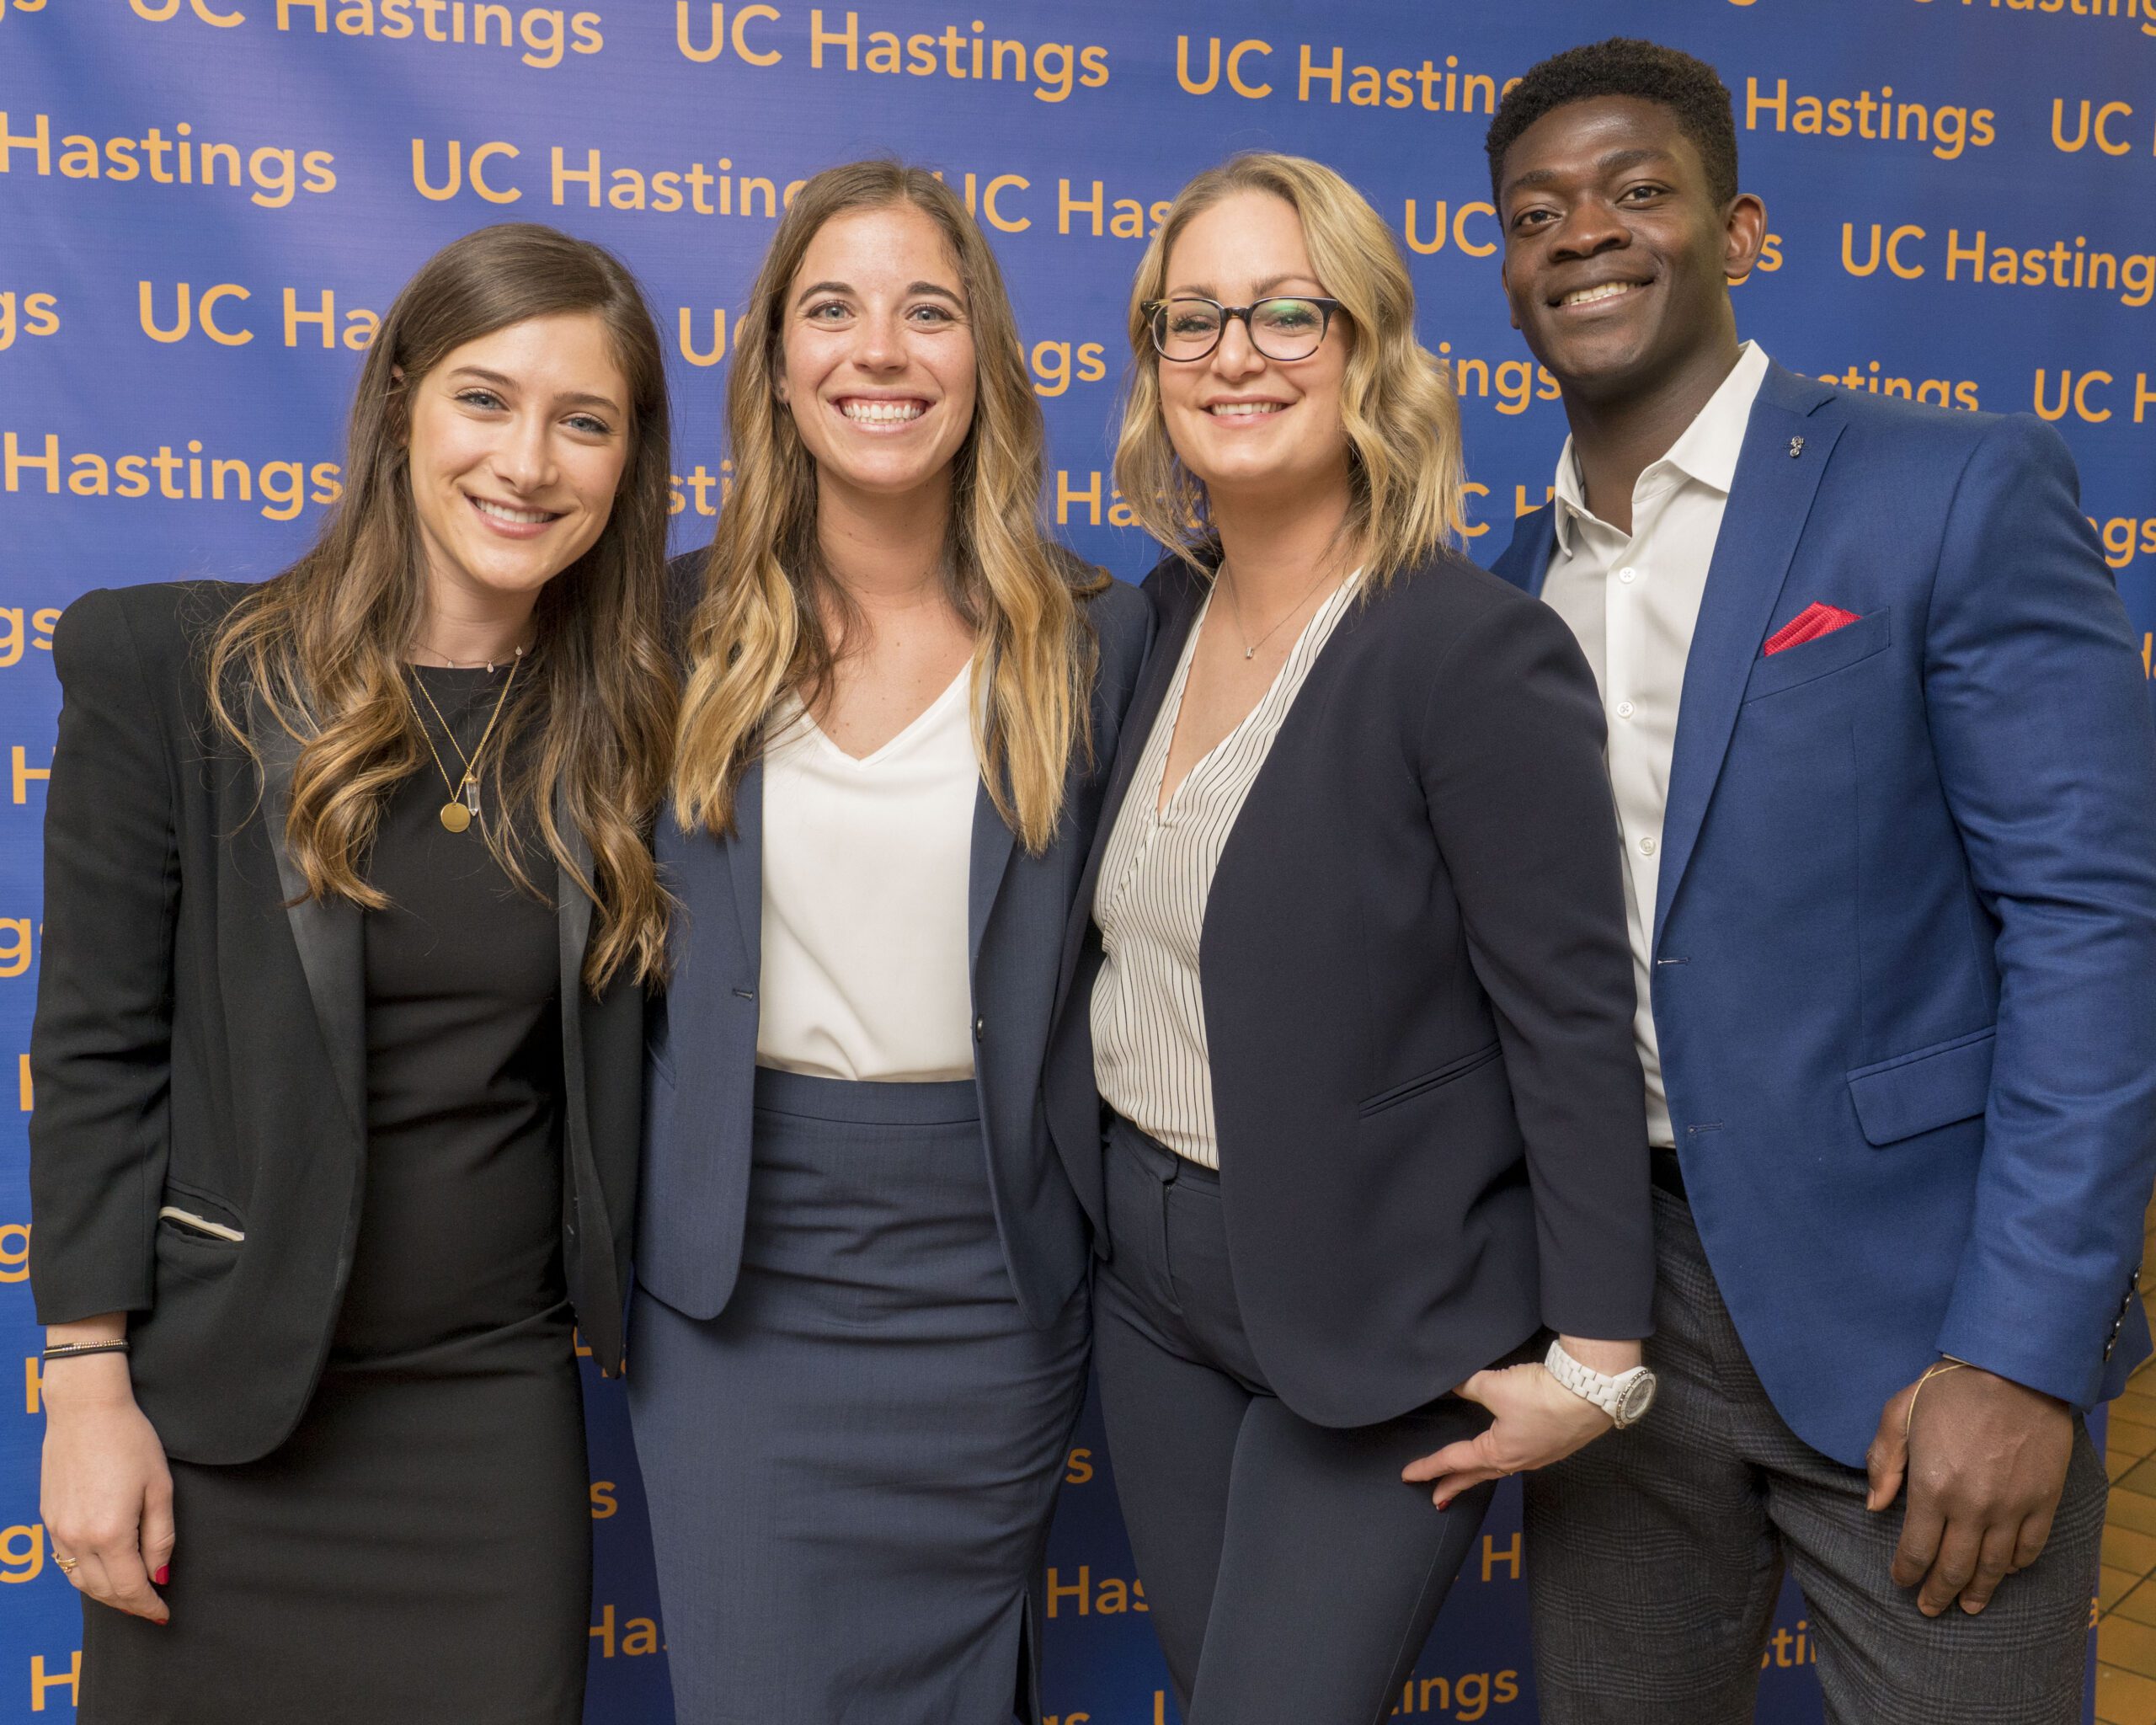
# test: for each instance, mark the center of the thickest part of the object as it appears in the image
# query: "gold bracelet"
(1938, 1367)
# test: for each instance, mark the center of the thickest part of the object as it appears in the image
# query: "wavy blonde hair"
(586, 730)
(758, 631)
(1408, 487)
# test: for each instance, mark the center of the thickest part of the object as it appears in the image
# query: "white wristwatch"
(1625, 1398)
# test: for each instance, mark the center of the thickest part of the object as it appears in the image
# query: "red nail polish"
(163, 1574)
(1444, 1502)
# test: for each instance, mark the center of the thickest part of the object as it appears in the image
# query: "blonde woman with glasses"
(863, 1336)
(1355, 986)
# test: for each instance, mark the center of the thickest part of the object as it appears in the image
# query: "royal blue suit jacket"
(701, 1052)
(1904, 946)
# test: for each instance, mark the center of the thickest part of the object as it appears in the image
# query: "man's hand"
(1985, 1460)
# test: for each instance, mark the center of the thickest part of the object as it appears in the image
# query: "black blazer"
(200, 1046)
(1418, 1003)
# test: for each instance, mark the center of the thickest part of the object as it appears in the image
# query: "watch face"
(1639, 1396)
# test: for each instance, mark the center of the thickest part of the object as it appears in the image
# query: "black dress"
(420, 1549)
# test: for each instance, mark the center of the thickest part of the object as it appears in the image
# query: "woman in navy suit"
(1358, 996)
(863, 1338)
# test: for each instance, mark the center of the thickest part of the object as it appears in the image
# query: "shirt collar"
(1707, 452)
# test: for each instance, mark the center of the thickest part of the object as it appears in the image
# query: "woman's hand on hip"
(1538, 1421)
(106, 1493)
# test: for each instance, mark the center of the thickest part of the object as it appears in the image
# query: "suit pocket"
(1427, 1082)
(198, 1236)
(1848, 645)
(1918, 1092)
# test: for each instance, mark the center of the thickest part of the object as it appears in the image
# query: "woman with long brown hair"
(349, 903)
(862, 1320)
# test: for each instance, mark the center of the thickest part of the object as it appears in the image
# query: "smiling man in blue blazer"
(1885, 776)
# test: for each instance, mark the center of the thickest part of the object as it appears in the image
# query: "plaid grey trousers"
(1655, 1555)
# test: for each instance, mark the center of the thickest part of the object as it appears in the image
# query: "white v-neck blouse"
(1149, 1059)
(865, 866)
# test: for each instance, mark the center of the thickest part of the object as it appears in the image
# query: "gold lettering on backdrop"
(717, 36)
(2073, 396)
(1947, 128)
(2123, 538)
(2128, 10)
(1933, 392)
(1109, 1596)
(1974, 258)
(275, 172)
(699, 484)
(1068, 496)
(1512, 386)
(15, 1251)
(22, 1553)
(1410, 228)
(1468, 1696)
(37, 314)
(2096, 123)
(43, 1682)
(1326, 76)
(20, 629)
(542, 35)
(1787, 1649)
(164, 11)
(1242, 84)
(283, 487)
(635, 1637)
(1054, 69)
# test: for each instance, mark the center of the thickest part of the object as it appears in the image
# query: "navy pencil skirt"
(851, 1468)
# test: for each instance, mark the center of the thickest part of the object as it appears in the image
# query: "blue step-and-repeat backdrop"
(205, 204)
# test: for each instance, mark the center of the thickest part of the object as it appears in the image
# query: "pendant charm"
(1250, 652)
(471, 797)
(455, 816)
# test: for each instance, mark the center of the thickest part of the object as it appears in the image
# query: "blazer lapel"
(1138, 722)
(329, 933)
(990, 855)
(1768, 502)
(745, 861)
(1526, 561)
(594, 1260)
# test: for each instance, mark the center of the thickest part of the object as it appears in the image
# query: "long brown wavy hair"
(759, 631)
(1408, 484)
(322, 645)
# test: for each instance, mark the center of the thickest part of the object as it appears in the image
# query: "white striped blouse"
(1148, 1007)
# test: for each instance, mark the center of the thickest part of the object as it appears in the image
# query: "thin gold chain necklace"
(1236, 603)
(462, 807)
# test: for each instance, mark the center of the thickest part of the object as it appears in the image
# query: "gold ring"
(67, 1564)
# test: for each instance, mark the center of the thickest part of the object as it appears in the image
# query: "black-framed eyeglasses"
(1290, 327)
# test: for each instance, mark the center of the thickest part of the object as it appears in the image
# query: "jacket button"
(980, 1029)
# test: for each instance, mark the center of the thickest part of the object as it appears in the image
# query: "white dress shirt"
(1633, 602)
(866, 864)
(1149, 1059)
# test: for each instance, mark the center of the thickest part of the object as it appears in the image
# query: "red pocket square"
(1809, 625)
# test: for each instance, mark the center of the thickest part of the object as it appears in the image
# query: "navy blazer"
(1904, 978)
(703, 1048)
(1418, 1003)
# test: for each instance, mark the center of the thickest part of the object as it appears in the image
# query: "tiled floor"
(2125, 1599)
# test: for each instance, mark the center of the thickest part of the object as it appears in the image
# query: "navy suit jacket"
(702, 1055)
(1418, 1003)
(1904, 946)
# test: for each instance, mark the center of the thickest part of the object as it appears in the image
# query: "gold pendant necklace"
(1236, 600)
(463, 808)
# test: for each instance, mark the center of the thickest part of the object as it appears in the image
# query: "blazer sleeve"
(100, 1046)
(1511, 764)
(2041, 724)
